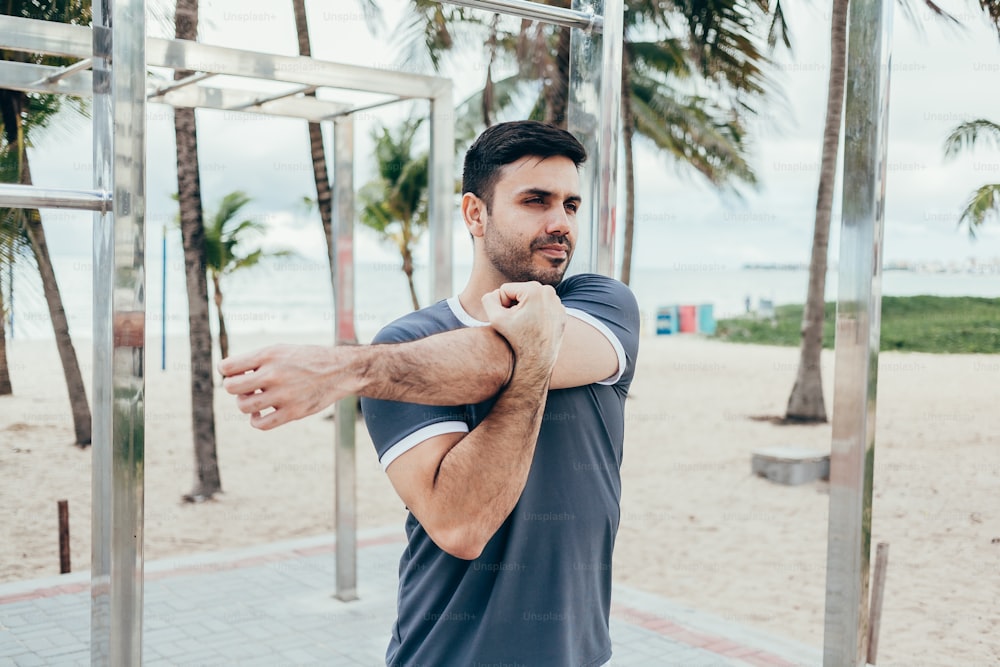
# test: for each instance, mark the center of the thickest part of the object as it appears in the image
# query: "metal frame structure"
(114, 54)
(113, 58)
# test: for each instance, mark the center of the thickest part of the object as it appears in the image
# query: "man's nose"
(559, 223)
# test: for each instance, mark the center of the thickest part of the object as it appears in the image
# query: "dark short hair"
(505, 143)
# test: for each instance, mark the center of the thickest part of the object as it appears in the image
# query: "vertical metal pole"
(119, 330)
(595, 119)
(163, 304)
(603, 250)
(10, 294)
(345, 412)
(441, 193)
(858, 327)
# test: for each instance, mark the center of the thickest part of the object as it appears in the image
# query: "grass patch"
(961, 324)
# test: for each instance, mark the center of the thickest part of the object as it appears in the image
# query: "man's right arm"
(462, 487)
(295, 381)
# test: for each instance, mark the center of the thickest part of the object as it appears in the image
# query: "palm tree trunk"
(628, 133)
(207, 479)
(223, 336)
(557, 92)
(11, 106)
(5, 387)
(806, 400)
(408, 270)
(324, 195)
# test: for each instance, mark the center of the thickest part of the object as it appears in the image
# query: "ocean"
(294, 295)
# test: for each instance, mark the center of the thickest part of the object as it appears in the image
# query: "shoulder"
(418, 324)
(595, 294)
(594, 284)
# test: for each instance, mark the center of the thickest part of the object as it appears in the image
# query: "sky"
(939, 77)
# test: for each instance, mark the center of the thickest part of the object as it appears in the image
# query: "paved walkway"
(273, 605)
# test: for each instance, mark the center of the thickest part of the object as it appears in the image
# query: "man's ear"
(474, 214)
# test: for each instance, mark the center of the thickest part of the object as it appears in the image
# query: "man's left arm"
(452, 368)
(601, 339)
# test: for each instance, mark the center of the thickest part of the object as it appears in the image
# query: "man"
(498, 418)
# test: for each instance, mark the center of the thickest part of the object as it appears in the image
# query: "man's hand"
(532, 319)
(293, 381)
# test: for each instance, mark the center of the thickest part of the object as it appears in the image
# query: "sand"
(696, 526)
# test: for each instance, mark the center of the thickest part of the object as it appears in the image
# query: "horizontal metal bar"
(62, 39)
(31, 78)
(193, 56)
(28, 77)
(279, 96)
(247, 101)
(526, 9)
(47, 37)
(366, 107)
(33, 196)
(180, 83)
(66, 71)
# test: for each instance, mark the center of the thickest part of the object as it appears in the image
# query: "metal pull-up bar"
(33, 196)
(569, 18)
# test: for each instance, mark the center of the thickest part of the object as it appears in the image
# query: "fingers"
(510, 295)
(493, 304)
(244, 383)
(273, 419)
(513, 293)
(254, 402)
(241, 363)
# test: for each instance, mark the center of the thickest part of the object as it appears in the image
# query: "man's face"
(531, 230)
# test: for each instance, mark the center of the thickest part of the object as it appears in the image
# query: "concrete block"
(790, 465)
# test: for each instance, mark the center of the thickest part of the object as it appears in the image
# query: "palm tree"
(22, 115)
(207, 479)
(224, 254)
(324, 196)
(14, 247)
(395, 203)
(805, 404)
(985, 201)
(704, 131)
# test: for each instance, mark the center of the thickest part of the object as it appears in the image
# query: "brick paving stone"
(28, 660)
(275, 605)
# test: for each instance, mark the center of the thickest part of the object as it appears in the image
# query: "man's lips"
(554, 251)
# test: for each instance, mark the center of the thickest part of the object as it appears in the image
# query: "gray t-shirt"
(540, 592)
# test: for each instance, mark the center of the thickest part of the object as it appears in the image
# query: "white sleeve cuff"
(419, 436)
(613, 339)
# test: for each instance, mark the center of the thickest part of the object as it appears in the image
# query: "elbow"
(459, 542)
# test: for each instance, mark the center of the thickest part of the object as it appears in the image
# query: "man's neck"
(471, 297)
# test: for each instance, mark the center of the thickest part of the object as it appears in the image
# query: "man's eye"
(533, 200)
(573, 207)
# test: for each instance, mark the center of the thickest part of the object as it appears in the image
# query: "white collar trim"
(462, 315)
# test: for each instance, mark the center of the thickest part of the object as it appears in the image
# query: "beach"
(696, 525)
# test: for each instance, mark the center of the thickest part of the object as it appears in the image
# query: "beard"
(518, 263)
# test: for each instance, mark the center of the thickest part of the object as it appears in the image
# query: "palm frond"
(667, 57)
(967, 134)
(685, 127)
(778, 29)
(911, 15)
(373, 15)
(983, 205)
(228, 208)
(425, 33)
